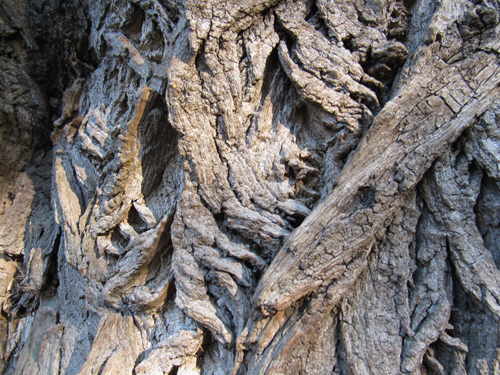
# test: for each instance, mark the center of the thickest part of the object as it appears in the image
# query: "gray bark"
(259, 187)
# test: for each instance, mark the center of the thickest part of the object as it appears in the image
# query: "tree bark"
(259, 187)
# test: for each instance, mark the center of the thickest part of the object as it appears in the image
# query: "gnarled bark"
(261, 187)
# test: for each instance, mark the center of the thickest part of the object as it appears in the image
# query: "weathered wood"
(259, 187)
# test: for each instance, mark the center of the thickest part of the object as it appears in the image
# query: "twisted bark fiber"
(257, 187)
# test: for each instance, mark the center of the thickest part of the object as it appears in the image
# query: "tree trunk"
(250, 187)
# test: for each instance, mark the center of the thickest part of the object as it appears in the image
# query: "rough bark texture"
(250, 187)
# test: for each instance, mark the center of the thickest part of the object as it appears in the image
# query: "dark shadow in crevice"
(487, 210)
(51, 276)
(474, 326)
(158, 150)
(314, 17)
(136, 222)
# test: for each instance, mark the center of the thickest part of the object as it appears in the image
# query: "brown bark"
(261, 187)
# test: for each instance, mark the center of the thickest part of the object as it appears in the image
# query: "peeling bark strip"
(257, 187)
(404, 140)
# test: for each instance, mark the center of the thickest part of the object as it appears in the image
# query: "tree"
(260, 187)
